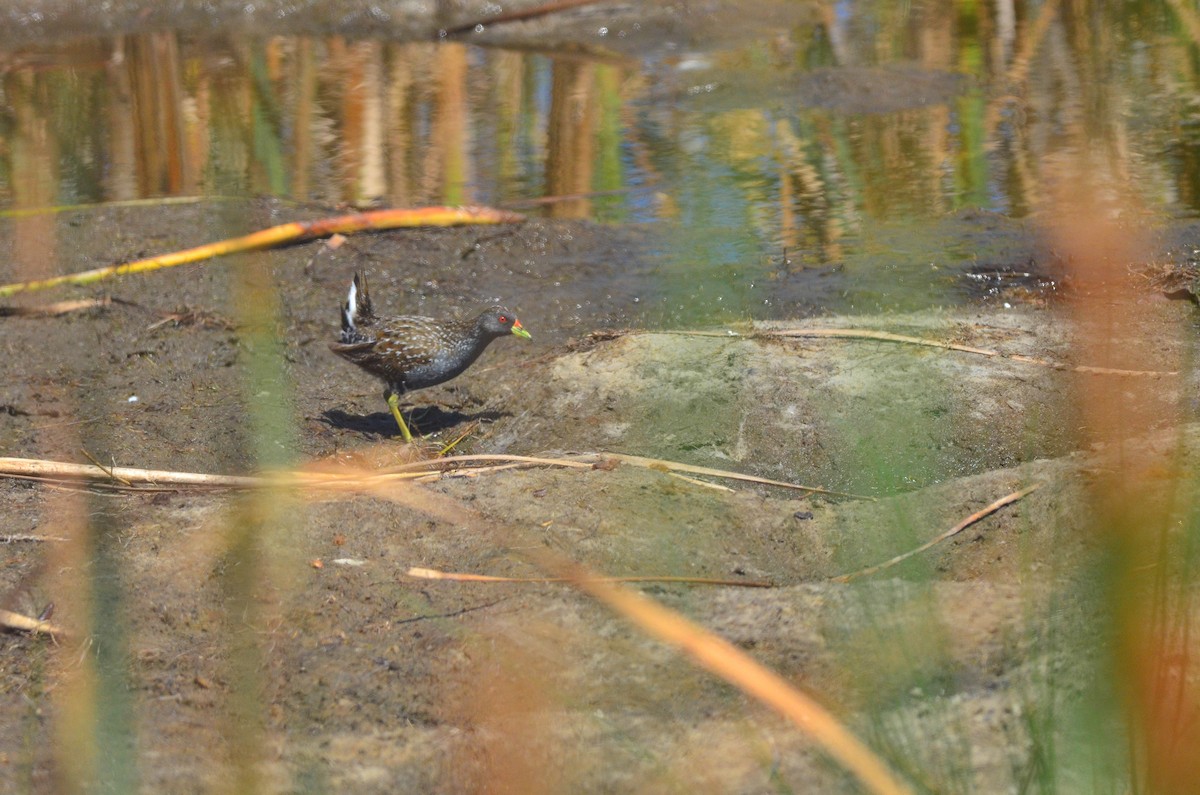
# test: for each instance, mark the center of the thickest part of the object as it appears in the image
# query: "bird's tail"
(357, 310)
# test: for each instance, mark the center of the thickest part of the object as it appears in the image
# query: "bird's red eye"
(503, 319)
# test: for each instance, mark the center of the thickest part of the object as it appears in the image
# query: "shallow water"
(857, 160)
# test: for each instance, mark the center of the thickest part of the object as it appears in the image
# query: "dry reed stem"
(445, 462)
(135, 478)
(886, 336)
(699, 482)
(434, 574)
(55, 309)
(722, 658)
(23, 623)
(469, 472)
(41, 469)
(356, 479)
(953, 531)
(106, 470)
(294, 232)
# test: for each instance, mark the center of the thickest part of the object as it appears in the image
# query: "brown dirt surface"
(365, 680)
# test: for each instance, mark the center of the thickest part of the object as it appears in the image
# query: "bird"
(409, 352)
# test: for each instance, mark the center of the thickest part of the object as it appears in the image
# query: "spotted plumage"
(409, 352)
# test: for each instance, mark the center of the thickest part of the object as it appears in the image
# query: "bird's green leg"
(393, 401)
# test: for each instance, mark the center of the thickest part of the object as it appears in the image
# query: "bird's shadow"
(422, 421)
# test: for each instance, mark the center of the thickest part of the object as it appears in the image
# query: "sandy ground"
(360, 679)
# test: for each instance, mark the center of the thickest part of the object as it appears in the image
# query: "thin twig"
(885, 336)
(106, 470)
(958, 528)
(452, 614)
(675, 466)
(16, 538)
(468, 472)
(434, 574)
(470, 430)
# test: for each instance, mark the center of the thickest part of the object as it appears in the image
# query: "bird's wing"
(404, 354)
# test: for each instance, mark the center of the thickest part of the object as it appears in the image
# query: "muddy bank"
(369, 681)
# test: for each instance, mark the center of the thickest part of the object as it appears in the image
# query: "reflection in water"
(33, 172)
(570, 139)
(791, 149)
(158, 104)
